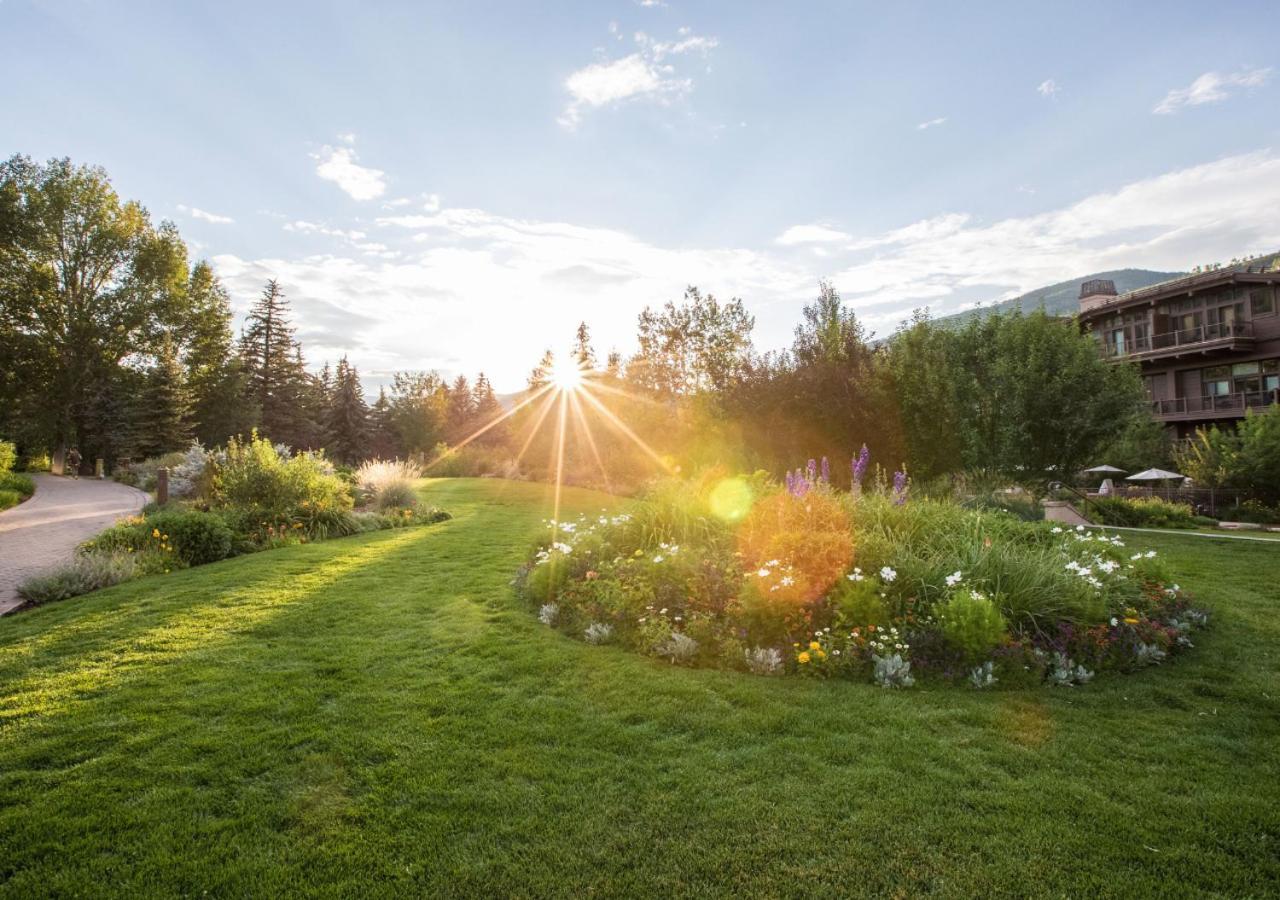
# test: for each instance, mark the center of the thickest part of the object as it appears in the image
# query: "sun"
(566, 375)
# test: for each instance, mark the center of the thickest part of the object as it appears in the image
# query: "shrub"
(388, 484)
(971, 623)
(192, 476)
(88, 572)
(18, 483)
(798, 547)
(257, 477)
(9, 498)
(196, 537)
(8, 456)
(1143, 512)
(858, 602)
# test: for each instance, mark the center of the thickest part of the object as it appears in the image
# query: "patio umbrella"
(1105, 470)
(1155, 475)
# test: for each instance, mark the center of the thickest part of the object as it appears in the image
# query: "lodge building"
(1208, 344)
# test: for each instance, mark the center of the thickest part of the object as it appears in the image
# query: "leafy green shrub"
(858, 602)
(8, 456)
(196, 537)
(1142, 512)
(18, 482)
(388, 484)
(9, 498)
(255, 476)
(971, 623)
(85, 573)
(1204, 521)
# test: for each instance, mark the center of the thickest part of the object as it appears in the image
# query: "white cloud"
(347, 137)
(1048, 88)
(410, 297)
(931, 123)
(429, 202)
(304, 227)
(810, 234)
(1211, 87)
(338, 164)
(197, 213)
(645, 74)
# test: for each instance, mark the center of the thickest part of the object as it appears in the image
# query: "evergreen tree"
(583, 354)
(487, 409)
(460, 409)
(215, 376)
(269, 353)
(348, 421)
(164, 423)
(541, 373)
(382, 434)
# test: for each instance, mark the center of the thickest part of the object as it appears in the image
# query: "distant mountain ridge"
(1062, 299)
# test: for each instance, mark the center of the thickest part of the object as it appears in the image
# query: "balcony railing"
(1213, 406)
(1200, 337)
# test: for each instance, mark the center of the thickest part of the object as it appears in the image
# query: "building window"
(1262, 301)
(1271, 374)
(1216, 381)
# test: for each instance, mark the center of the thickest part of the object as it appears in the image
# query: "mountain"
(1062, 299)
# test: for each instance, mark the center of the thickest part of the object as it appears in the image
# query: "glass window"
(1270, 365)
(1261, 301)
(1217, 372)
(1250, 368)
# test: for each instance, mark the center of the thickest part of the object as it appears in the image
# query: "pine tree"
(383, 443)
(215, 376)
(487, 409)
(541, 373)
(459, 412)
(164, 422)
(268, 350)
(348, 423)
(583, 354)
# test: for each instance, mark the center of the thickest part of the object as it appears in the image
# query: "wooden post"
(100, 468)
(162, 486)
(58, 465)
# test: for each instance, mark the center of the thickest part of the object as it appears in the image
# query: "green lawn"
(376, 716)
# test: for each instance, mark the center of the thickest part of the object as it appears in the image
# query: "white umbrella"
(1111, 470)
(1155, 475)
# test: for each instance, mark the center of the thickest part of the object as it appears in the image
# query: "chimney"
(1096, 292)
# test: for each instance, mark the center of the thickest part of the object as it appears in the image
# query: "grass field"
(375, 716)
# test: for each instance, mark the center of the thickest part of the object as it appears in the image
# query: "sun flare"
(567, 375)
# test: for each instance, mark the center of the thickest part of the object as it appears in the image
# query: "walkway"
(44, 531)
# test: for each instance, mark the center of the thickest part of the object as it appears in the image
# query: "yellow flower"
(639, 553)
(814, 645)
(1130, 621)
(822, 654)
(164, 537)
(155, 532)
(802, 658)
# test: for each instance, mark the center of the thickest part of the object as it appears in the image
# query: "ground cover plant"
(1144, 512)
(868, 584)
(378, 716)
(247, 497)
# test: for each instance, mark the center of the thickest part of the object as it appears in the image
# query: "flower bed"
(741, 573)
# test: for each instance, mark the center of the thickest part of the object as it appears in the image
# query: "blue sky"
(456, 186)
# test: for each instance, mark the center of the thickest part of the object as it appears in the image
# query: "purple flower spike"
(813, 471)
(826, 471)
(791, 483)
(860, 464)
(900, 487)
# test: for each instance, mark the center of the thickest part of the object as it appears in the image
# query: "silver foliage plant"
(679, 648)
(893, 671)
(548, 613)
(598, 633)
(983, 676)
(763, 660)
(1063, 672)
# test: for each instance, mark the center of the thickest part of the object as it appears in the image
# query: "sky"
(456, 186)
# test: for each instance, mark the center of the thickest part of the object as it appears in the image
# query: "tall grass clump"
(388, 483)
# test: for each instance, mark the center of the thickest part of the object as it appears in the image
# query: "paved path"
(44, 531)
